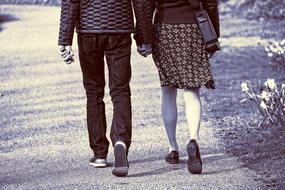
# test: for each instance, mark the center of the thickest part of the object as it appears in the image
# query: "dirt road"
(43, 137)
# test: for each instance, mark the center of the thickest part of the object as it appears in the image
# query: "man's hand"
(144, 49)
(66, 54)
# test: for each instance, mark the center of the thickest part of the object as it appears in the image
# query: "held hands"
(66, 54)
(144, 49)
(210, 55)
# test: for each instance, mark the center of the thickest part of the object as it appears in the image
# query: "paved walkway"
(43, 138)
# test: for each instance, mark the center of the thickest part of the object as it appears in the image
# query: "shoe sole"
(120, 168)
(193, 163)
(98, 165)
(172, 161)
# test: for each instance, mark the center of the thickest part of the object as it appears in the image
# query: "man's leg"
(118, 59)
(118, 55)
(92, 64)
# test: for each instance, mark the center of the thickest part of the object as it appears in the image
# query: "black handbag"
(206, 27)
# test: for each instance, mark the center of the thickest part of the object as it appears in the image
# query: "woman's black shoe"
(194, 162)
(172, 157)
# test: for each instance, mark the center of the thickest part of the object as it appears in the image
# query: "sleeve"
(144, 10)
(211, 7)
(68, 20)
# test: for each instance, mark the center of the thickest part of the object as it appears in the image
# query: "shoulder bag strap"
(195, 4)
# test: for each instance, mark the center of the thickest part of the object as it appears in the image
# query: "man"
(104, 28)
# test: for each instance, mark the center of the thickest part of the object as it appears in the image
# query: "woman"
(182, 63)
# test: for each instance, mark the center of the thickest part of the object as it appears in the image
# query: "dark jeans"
(117, 48)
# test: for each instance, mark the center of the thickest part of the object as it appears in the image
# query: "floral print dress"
(180, 56)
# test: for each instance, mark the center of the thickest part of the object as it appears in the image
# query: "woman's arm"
(211, 6)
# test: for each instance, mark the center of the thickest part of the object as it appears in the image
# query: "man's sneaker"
(121, 166)
(172, 157)
(194, 162)
(98, 162)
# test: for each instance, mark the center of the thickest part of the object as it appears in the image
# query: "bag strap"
(195, 5)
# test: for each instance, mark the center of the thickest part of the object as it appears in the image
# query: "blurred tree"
(31, 2)
(268, 9)
(255, 9)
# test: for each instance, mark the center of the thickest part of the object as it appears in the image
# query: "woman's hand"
(66, 54)
(144, 49)
(211, 55)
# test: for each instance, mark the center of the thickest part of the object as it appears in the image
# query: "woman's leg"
(169, 114)
(193, 114)
(193, 111)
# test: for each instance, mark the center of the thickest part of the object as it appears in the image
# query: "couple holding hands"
(168, 30)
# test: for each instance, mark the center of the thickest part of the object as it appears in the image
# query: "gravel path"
(43, 135)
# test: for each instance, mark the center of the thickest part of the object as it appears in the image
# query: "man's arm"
(68, 19)
(144, 10)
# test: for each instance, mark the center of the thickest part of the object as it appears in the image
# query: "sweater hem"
(104, 31)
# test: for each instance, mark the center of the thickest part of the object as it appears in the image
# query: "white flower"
(282, 43)
(244, 87)
(266, 49)
(270, 54)
(273, 48)
(263, 105)
(283, 86)
(279, 48)
(270, 83)
(275, 43)
(265, 95)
